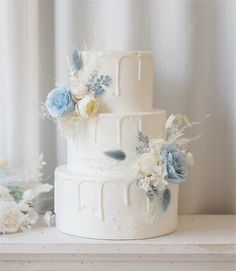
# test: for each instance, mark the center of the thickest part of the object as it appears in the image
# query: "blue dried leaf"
(143, 143)
(97, 84)
(166, 200)
(155, 190)
(150, 194)
(116, 154)
(77, 59)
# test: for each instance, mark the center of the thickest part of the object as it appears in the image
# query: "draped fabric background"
(194, 52)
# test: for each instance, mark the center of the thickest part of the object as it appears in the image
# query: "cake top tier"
(131, 88)
(103, 82)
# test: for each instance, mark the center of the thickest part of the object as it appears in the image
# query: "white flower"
(155, 146)
(79, 90)
(189, 158)
(49, 218)
(160, 183)
(147, 163)
(87, 107)
(11, 216)
(3, 190)
(35, 190)
(145, 183)
(31, 217)
(4, 193)
(3, 162)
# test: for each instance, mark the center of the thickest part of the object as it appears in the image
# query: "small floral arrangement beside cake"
(19, 187)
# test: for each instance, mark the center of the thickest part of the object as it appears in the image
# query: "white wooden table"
(202, 242)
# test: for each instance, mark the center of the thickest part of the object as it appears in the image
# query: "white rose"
(87, 107)
(11, 217)
(4, 193)
(3, 162)
(147, 163)
(79, 90)
(160, 183)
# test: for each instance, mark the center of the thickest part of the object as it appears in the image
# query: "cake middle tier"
(106, 132)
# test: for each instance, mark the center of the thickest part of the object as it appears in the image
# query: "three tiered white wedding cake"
(118, 183)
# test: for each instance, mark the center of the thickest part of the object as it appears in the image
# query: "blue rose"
(175, 164)
(59, 102)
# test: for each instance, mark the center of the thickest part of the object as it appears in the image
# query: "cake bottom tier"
(110, 207)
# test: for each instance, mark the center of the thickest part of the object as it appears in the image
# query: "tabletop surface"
(195, 234)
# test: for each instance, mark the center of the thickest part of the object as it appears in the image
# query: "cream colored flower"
(11, 217)
(147, 163)
(79, 91)
(87, 107)
(49, 219)
(155, 146)
(4, 193)
(3, 162)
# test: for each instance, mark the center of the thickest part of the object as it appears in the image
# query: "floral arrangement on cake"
(162, 161)
(18, 189)
(67, 104)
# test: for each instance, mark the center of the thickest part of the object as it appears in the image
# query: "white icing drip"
(79, 193)
(118, 132)
(63, 194)
(139, 123)
(118, 60)
(119, 127)
(96, 129)
(148, 205)
(76, 140)
(116, 92)
(100, 187)
(79, 129)
(79, 196)
(139, 67)
(59, 192)
(126, 193)
(100, 193)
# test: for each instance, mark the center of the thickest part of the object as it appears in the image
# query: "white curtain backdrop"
(194, 51)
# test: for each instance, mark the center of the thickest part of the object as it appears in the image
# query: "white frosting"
(96, 196)
(110, 132)
(131, 89)
(110, 207)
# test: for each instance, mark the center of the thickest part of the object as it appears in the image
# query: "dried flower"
(11, 217)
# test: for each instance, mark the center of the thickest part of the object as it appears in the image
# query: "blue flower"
(59, 102)
(175, 164)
